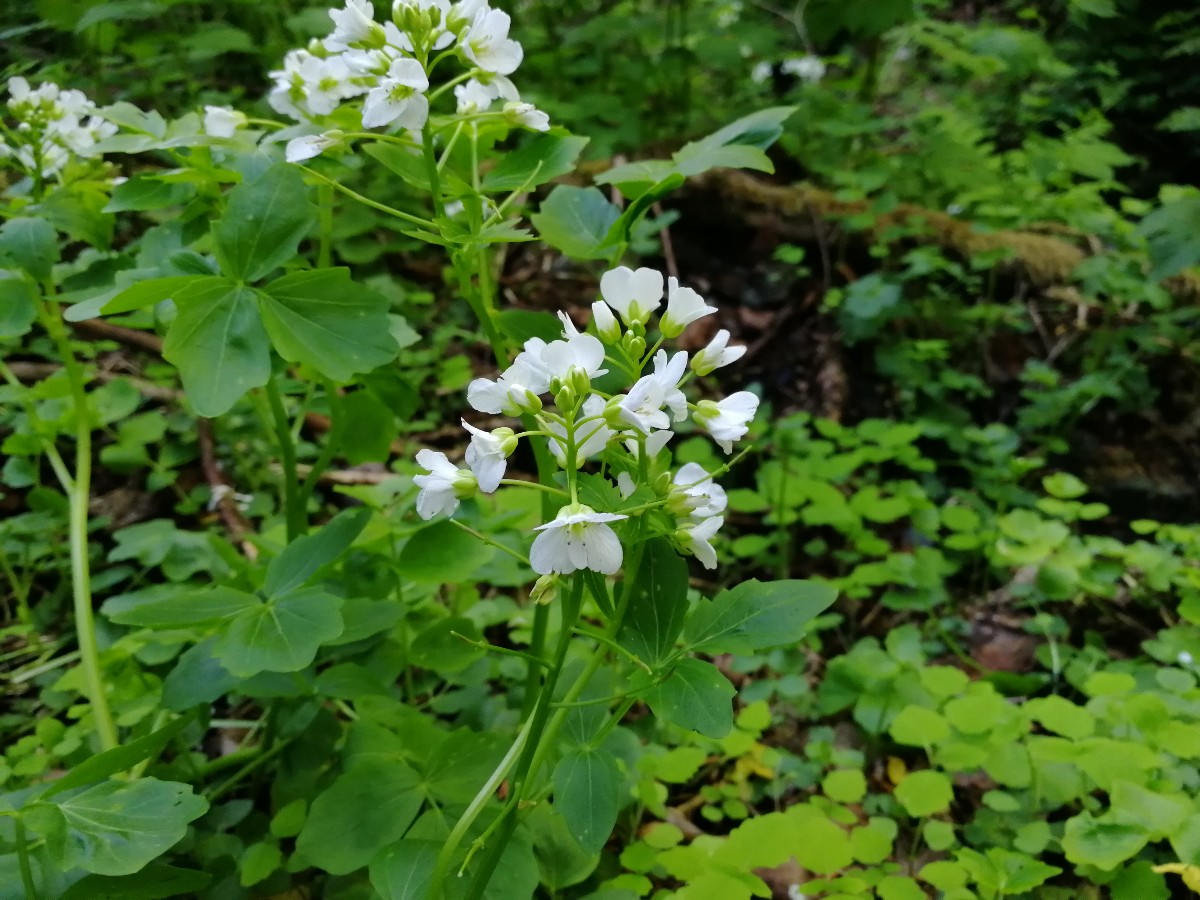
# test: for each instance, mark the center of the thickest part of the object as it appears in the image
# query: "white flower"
(716, 354)
(487, 45)
(626, 485)
(642, 406)
(684, 306)
(694, 493)
(398, 98)
(472, 97)
(310, 145)
(727, 420)
(693, 538)
(806, 68)
(488, 453)
(635, 295)
(326, 83)
(569, 328)
(578, 538)
(443, 487)
(526, 114)
(222, 122)
(582, 352)
(516, 390)
(606, 322)
(592, 433)
(353, 25)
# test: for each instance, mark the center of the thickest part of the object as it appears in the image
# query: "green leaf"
(146, 192)
(442, 553)
(1172, 233)
(197, 679)
(1101, 842)
(924, 793)
(576, 221)
(367, 808)
(739, 144)
(405, 871)
(119, 759)
(1061, 716)
(756, 615)
(258, 862)
(845, 785)
(439, 649)
(147, 293)
(658, 606)
(116, 828)
(18, 305)
(263, 223)
(373, 425)
(322, 318)
(219, 346)
(587, 794)
(301, 559)
(186, 608)
(152, 883)
(281, 635)
(410, 166)
(545, 157)
(917, 726)
(695, 696)
(30, 244)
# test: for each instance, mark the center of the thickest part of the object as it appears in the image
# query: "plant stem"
(333, 442)
(23, 860)
(80, 493)
(295, 514)
(534, 745)
(325, 207)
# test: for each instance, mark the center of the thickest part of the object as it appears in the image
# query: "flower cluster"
(809, 69)
(624, 431)
(50, 126)
(389, 68)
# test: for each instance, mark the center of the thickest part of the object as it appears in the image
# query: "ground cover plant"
(597, 451)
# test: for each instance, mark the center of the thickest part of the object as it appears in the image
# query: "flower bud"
(662, 484)
(565, 399)
(635, 346)
(545, 589)
(606, 323)
(508, 440)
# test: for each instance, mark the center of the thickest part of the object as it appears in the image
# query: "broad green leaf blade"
(187, 608)
(587, 794)
(1173, 234)
(145, 293)
(756, 615)
(623, 228)
(409, 165)
(145, 192)
(263, 223)
(197, 679)
(441, 553)
(219, 346)
(695, 696)
(119, 759)
(367, 808)
(405, 871)
(576, 221)
(281, 635)
(325, 320)
(694, 159)
(152, 883)
(301, 559)
(18, 305)
(117, 828)
(739, 144)
(658, 607)
(545, 157)
(30, 244)
(640, 174)
(1101, 842)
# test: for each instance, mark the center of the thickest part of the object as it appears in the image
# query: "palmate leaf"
(367, 808)
(281, 635)
(263, 223)
(322, 318)
(219, 346)
(116, 828)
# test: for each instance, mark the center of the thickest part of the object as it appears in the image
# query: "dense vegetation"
(826, 520)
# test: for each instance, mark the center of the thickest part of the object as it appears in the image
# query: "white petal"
(549, 552)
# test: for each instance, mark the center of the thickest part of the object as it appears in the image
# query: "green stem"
(431, 168)
(27, 881)
(295, 514)
(367, 201)
(325, 206)
(80, 491)
(333, 442)
(534, 745)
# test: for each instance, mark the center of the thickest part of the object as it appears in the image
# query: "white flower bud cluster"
(51, 125)
(388, 66)
(626, 432)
